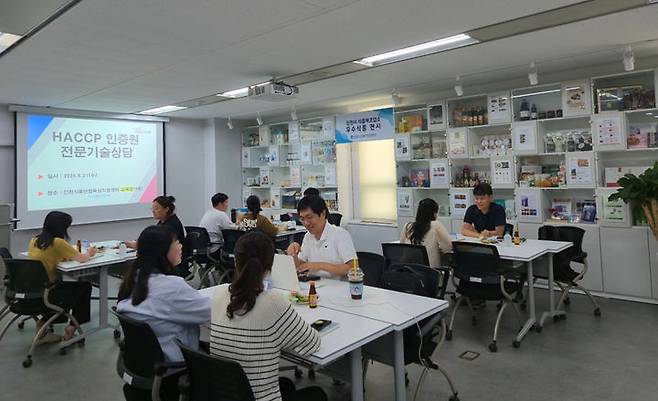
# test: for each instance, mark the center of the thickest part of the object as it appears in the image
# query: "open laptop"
(284, 273)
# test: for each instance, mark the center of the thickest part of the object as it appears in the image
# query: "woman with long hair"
(260, 323)
(152, 293)
(253, 220)
(427, 231)
(163, 211)
(50, 247)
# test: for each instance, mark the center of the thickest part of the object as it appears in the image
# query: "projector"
(273, 92)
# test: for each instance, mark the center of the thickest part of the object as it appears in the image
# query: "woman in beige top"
(428, 232)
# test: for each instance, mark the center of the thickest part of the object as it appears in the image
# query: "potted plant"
(641, 190)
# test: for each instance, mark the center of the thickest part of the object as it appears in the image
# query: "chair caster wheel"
(567, 301)
(21, 325)
(516, 344)
(62, 351)
(117, 334)
(406, 380)
(538, 329)
(563, 317)
(474, 321)
(311, 374)
(27, 362)
(556, 318)
(81, 343)
(493, 347)
(597, 312)
(453, 398)
(298, 373)
(499, 305)
(523, 306)
(449, 335)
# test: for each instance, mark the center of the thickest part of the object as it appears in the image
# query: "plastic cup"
(356, 284)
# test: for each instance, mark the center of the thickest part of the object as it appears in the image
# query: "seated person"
(162, 209)
(215, 220)
(425, 230)
(50, 247)
(485, 218)
(254, 220)
(310, 191)
(326, 249)
(252, 325)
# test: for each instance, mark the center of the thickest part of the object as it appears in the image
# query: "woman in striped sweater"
(252, 325)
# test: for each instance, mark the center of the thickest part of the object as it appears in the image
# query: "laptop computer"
(284, 273)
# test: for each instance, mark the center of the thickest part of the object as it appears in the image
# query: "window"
(373, 180)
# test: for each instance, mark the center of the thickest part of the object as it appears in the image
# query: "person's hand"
(294, 249)
(307, 267)
(485, 233)
(131, 244)
(92, 251)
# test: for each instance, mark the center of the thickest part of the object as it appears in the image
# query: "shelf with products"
(627, 91)
(411, 119)
(642, 130)
(537, 102)
(490, 140)
(569, 205)
(547, 171)
(467, 173)
(467, 111)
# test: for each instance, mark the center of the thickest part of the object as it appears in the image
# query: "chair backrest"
(416, 279)
(141, 347)
(4, 253)
(215, 378)
(372, 265)
(476, 262)
(284, 217)
(335, 218)
(405, 253)
(564, 233)
(197, 240)
(25, 277)
(230, 238)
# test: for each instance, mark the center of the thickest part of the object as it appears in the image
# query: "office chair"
(405, 253)
(422, 340)
(4, 254)
(141, 364)
(481, 275)
(204, 262)
(227, 261)
(26, 294)
(563, 275)
(212, 378)
(334, 218)
(373, 266)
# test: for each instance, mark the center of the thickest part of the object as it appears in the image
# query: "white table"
(290, 234)
(361, 322)
(527, 252)
(99, 264)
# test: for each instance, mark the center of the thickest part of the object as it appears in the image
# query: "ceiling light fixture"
(7, 40)
(459, 89)
(395, 97)
(419, 50)
(259, 119)
(629, 58)
(532, 74)
(293, 114)
(242, 92)
(163, 109)
(229, 123)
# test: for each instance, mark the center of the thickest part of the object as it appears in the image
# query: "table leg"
(531, 306)
(356, 368)
(398, 365)
(551, 295)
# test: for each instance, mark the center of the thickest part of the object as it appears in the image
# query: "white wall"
(228, 148)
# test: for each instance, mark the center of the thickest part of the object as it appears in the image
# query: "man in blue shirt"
(484, 219)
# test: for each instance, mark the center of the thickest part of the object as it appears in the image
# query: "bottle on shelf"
(533, 112)
(312, 296)
(524, 111)
(571, 143)
(480, 115)
(464, 119)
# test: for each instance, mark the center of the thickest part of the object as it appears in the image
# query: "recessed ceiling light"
(422, 49)
(7, 40)
(163, 109)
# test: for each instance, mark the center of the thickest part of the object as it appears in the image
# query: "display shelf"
(624, 92)
(411, 119)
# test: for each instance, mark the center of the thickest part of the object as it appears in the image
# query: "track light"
(229, 123)
(293, 114)
(459, 89)
(532, 74)
(259, 120)
(629, 58)
(395, 97)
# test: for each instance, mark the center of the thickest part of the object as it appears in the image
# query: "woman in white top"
(152, 293)
(428, 232)
(252, 325)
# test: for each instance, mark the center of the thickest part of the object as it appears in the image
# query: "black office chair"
(231, 237)
(373, 266)
(4, 253)
(422, 340)
(26, 294)
(335, 218)
(212, 378)
(141, 364)
(563, 275)
(481, 275)
(405, 253)
(203, 261)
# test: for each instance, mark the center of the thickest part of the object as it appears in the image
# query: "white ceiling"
(129, 55)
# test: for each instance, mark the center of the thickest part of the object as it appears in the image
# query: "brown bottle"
(78, 246)
(312, 296)
(516, 238)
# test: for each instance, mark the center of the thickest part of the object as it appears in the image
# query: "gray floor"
(614, 357)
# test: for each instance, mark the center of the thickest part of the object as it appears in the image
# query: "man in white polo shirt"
(216, 219)
(327, 250)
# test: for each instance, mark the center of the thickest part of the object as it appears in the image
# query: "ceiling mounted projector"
(273, 92)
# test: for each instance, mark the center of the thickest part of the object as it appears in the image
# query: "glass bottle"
(550, 145)
(312, 296)
(533, 112)
(571, 143)
(524, 111)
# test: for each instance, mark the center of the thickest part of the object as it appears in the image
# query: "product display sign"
(502, 172)
(264, 135)
(405, 202)
(575, 98)
(328, 127)
(293, 132)
(330, 174)
(295, 176)
(608, 131)
(367, 126)
(460, 200)
(305, 150)
(437, 117)
(402, 147)
(498, 105)
(525, 137)
(528, 205)
(580, 170)
(246, 157)
(457, 144)
(439, 173)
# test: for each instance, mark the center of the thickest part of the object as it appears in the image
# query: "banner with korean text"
(365, 126)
